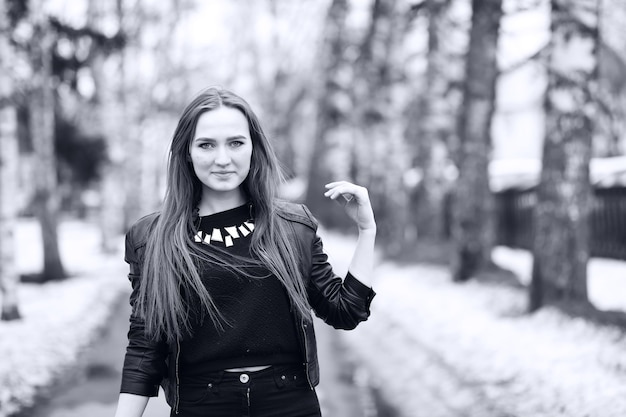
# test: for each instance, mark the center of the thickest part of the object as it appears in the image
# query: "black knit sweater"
(262, 329)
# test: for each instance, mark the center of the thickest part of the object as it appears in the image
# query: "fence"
(514, 212)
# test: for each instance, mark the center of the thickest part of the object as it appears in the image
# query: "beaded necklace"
(225, 235)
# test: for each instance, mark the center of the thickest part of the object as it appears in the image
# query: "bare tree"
(286, 92)
(41, 127)
(473, 228)
(381, 152)
(9, 157)
(152, 102)
(108, 118)
(561, 245)
(428, 129)
(331, 151)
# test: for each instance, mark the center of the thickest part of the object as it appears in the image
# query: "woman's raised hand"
(356, 202)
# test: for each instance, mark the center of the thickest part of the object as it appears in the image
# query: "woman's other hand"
(356, 202)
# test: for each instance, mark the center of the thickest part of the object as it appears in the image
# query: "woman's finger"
(344, 185)
(336, 183)
(346, 192)
(333, 194)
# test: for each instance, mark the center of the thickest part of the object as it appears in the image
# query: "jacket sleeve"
(145, 360)
(341, 303)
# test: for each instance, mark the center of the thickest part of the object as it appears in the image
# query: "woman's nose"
(222, 157)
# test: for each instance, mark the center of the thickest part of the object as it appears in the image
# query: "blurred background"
(491, 136)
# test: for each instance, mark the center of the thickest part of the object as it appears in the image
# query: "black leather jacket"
(340, 303)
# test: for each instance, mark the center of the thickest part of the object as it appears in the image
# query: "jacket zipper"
(306, 354)
(177, 377)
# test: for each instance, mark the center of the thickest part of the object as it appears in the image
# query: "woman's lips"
(223, 174)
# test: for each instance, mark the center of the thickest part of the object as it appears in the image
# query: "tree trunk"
(131, 166)
(9, 157)
(41, 123)
(108, 118)
(381, 152)
(282, 97)
(473, 222)
(561, 244)
(330, 160)
(428, 129)
(285, 98)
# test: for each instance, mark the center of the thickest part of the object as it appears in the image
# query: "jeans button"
(243, 378)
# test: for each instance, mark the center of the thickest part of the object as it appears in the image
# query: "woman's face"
(221, 150)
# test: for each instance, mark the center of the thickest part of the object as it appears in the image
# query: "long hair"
(171, 263)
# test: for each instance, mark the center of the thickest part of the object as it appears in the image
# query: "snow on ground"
(435, 348)
(59, 318)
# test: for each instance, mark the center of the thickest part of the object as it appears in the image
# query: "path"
(93, 389)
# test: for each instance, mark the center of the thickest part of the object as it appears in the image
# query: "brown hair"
(170, 266)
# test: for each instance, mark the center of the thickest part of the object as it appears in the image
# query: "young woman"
(225, 277)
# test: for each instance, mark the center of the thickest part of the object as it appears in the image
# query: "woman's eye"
(236, 143)
(206, 145)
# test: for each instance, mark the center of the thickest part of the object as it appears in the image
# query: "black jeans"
(278, 391)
